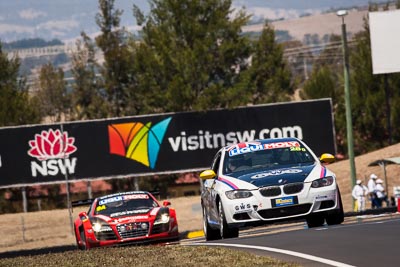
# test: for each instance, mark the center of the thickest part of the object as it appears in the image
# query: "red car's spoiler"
(83, 202)
(155, 193)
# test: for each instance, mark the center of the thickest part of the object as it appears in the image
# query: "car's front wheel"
(77, 238)
(83, 239)
(225, 230)
(209, 233)
(315, 220)
(336, 216)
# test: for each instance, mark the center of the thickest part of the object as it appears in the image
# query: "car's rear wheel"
(315, 220)
(209, 233)
(336, 216)
(225, 230)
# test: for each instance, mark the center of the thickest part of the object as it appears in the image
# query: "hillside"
(342, 170)
(322, 24)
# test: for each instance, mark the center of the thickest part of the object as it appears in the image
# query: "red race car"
(122, 218)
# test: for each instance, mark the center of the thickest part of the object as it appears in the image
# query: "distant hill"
(321, 24)
(31, 43)
(65, 19)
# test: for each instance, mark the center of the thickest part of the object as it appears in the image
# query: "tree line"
(192, 55)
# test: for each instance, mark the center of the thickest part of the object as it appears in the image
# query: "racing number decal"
(100, 208)
(296, 148)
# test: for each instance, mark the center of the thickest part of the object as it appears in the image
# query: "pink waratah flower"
(51, 145)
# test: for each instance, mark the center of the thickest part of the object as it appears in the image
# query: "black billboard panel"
(153, 144)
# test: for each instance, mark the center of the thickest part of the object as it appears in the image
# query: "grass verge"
(172, 255)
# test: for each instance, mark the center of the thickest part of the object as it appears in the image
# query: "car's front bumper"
(169, 235)
(266, 209)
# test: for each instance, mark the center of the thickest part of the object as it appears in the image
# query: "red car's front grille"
(132, 230)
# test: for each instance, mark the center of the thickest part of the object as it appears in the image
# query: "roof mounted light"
(341, 13)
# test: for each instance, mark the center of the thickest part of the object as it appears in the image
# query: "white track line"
(277, 250)
(355, 224)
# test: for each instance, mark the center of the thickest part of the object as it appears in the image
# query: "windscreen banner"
(153, 144)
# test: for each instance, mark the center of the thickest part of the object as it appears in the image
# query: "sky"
(65, 19)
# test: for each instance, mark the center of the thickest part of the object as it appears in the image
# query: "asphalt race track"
(368, 240)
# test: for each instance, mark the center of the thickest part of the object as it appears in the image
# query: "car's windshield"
(267, 159)
(124, 205)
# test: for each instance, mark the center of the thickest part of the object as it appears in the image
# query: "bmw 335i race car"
(128, 217)
(267, 180)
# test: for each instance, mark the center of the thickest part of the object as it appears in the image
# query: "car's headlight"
(321, 182)
(99, 227)
(163, 218)
(235, 194)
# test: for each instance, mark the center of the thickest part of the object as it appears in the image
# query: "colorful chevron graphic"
(138, 141)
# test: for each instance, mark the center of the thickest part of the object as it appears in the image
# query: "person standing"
(359, 194)
(372, 190)
(381, 193)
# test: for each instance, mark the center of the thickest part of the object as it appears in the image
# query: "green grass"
(148, 256)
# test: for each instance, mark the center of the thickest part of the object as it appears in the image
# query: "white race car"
(257, 182)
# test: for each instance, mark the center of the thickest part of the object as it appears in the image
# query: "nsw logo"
(53, 149)
(137, 141)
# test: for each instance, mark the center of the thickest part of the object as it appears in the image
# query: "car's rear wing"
(83, 202)
(155, 193)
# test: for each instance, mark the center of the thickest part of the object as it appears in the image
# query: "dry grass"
(145, 256)
(52, 228)
(34, 230)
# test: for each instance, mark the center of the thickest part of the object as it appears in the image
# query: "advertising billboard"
(385, 40)
(152, 144)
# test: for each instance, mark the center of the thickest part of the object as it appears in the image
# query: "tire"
(76, 238)
(83, 239)
(224, 229)
(336, 216)
(315, 220)
(209, 233)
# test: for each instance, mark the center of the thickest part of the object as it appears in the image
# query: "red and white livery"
(123, 218)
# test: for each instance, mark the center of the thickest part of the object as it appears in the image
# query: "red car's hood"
(127, 216)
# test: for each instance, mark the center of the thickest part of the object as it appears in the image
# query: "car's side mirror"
(207, 174)
(327, 158)
(166, 203)
(83, 215)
